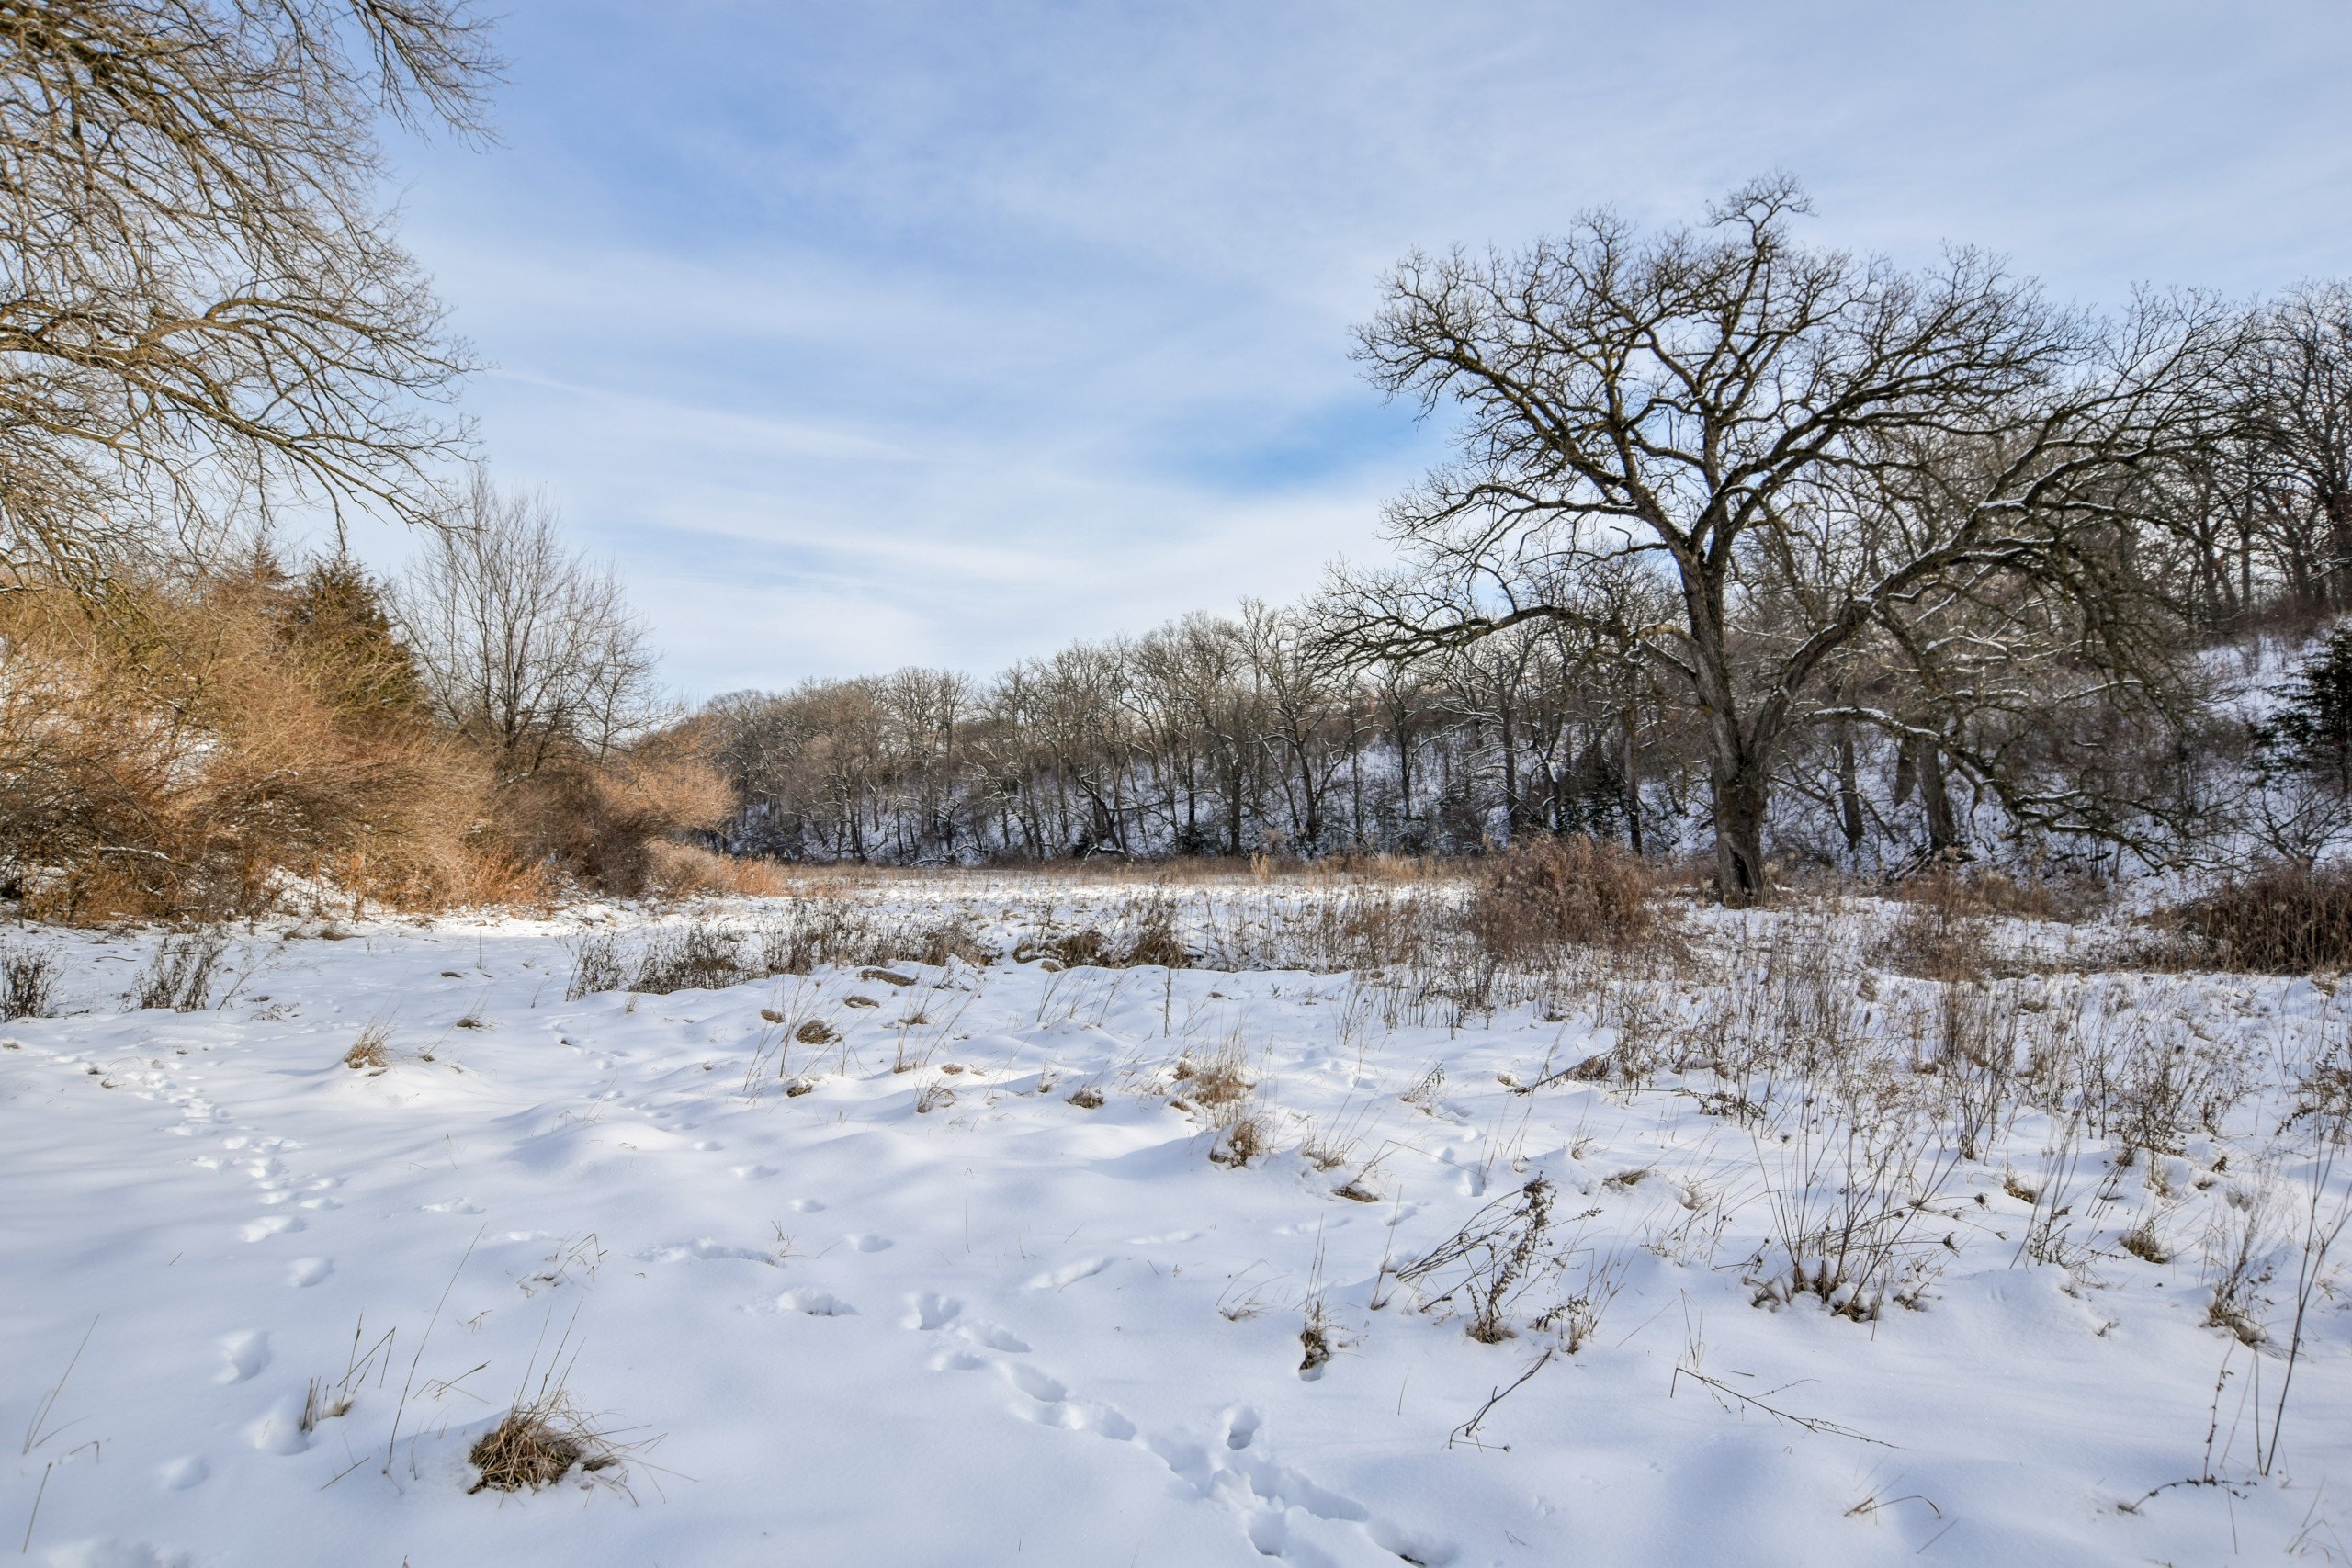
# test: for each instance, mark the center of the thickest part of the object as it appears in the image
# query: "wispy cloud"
(862, 334)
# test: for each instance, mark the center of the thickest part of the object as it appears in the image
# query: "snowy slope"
(947, 1316)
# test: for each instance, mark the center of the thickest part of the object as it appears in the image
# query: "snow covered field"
(1801, 1260)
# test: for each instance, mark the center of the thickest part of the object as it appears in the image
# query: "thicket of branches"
(1749, 550)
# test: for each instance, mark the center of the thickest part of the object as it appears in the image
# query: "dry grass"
(27, 980)
(697, 955)
(1555, 892)
(537, 1445)
(1485, 1268)
(687, 871)
(2284, 920)
(371, 1050)
(180, 977)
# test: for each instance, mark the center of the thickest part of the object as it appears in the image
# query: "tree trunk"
(2339, 506)
(1632, 783)
(1943, 827)
(1740, 794)
(1849, 794)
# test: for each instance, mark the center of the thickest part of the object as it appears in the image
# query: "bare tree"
(526, 648)
(1721, 407)
(2302, 394)
(201, 299)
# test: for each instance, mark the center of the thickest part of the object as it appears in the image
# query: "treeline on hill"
(1902, 569)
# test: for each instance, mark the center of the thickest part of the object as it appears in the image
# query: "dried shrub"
(1156, 944)
(1243, 1136)
(698, 955)
(1568, 891)
(211, 738)
(2143, 1242)
(1936, 938)
(687, 871)
(1491, 1263)
(1982, 890)
(827, 925)
(597, 966)
(180, 977)
(27, 980)
(2283, 920)
(1218, 1080)
(1080, 950)
(606, 821)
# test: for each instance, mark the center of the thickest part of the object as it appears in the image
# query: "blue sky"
(869, 334)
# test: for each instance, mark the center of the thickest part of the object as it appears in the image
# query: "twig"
(1468, 1431)
(1810, 1423)
(26, 1548)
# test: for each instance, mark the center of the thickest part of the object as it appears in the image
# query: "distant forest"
(1744, 549)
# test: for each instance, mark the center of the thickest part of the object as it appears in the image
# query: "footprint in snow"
(307, 1271)
(754, 1172)
(932, 1311)
(815, 1304)
(870, 1243)
(280, 1431)
(1071, 1274)
(1057, 1408)
(181, 1473)
(244, 1356)
(1241, 1425)
(805, 1205)
(274, 1225)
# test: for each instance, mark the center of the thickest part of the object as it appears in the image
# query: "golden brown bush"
(1549, 892)
(175, 756)
(2282, 920)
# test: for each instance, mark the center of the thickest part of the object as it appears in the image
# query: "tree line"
(1739, 537)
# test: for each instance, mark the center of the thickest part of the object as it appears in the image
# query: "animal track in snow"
(932, 1311)
(705, 1249)
(243, 1355)
(1057, 1408)
(280, 1430)
(870, 1243)
(305, 1271)
(1071, 1274)
(181, 1473)
(270, 1225)
(815, 1304)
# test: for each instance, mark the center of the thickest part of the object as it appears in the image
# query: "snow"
(947, 1316)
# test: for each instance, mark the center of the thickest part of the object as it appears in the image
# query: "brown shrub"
(684, 871)
(1984, 891)
(177, 756)
(1552, 892)
(2283, 920)
(604, 821)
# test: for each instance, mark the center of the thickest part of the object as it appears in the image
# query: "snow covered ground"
(1120, 1268)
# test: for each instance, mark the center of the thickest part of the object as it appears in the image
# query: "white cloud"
(868, 334)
